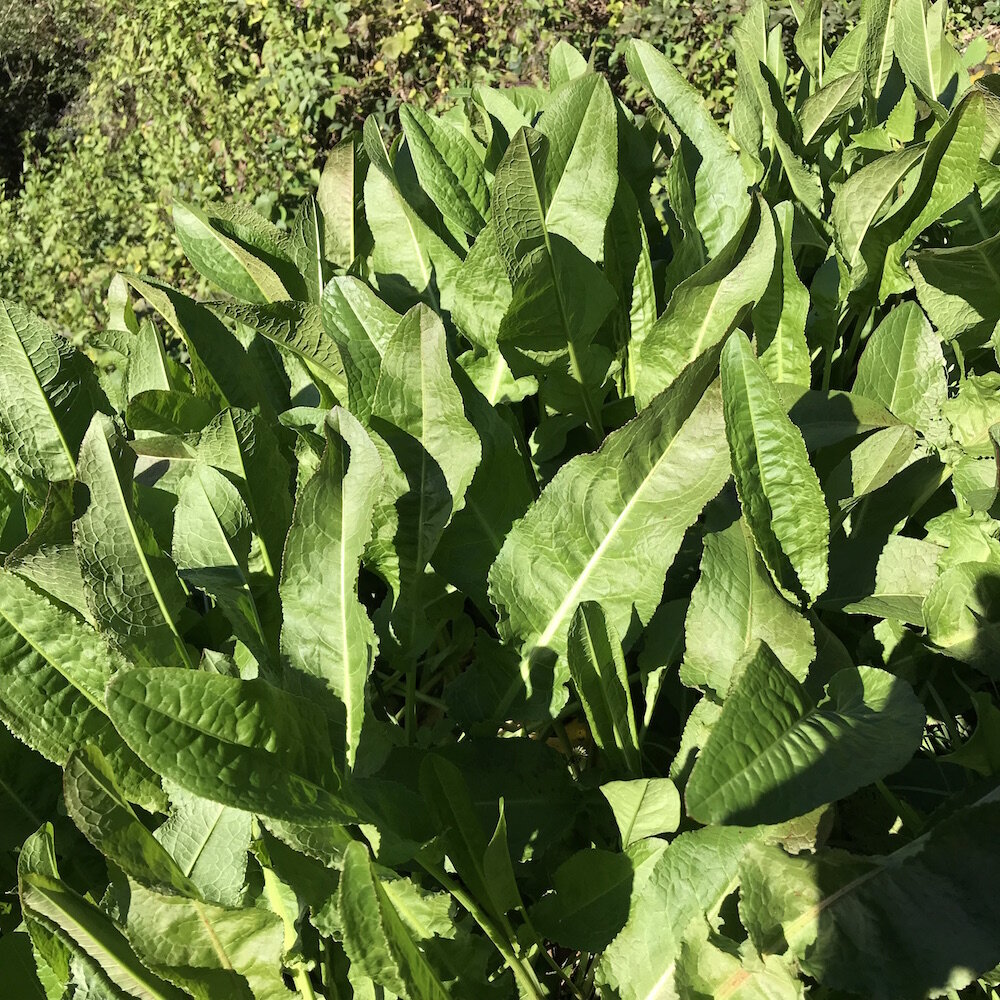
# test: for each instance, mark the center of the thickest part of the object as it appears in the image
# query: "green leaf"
(822, 111)
(411, 261)
(362, 325)
(710, 965)
(209, 844)
(581, 163)
(54, 669)
(449, 168)
(565, 63)
(223, 260)
(924, 52)
(499, 494)
(239, 742)
(779, 317)
(132, 586)
(902, 368)
(245, 447)
(721, 200)
(947, 175)
(812, 907)
(778, 489)
(774, 754)
(484, 865)
(376, 940)
(326, 636)
(597, 667)
(98, 807)
(183, 939)
(339, 197)
(862, 199)
(418, 396)
(645, 486)
(47, 396)
(960, 610)
(955, 286)
(297, 327)
(590, 901)
(211, 546)
(704, 308)
(690, 878)
(878, 17)
(88, 931)
(735, 604)
(643, 807)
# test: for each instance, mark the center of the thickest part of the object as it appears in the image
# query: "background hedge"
(111, 108)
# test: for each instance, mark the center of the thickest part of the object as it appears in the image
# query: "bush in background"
(128, 104)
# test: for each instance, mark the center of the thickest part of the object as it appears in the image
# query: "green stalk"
(522, 970)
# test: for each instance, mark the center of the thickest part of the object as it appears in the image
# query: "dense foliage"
(562, 561)
(119, 106)
(157, 99)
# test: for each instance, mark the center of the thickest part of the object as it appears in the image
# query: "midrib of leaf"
(709, 314)
(200, 849)
(812, 719)
(213, 938)
(137, 546)
(498, 371)
(41, 391)
(99, 705)
(570, 600)
(593, 417)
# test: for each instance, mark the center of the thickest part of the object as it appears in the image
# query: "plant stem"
(522, 970)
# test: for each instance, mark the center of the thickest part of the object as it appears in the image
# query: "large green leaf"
(781, 497)
(132, 586)
(47, 396)
(902, 368)
(955, 285)
(326, 635)
(98, 807)
(208, 949)
(597, 667)
(54, 668)
(376, 939)
(211, 546)
(721, 202)
(775, 754)
(209, 843)
(224, 260)
(645, 486)
(242, 743)
(947, 175)
(734, 605)
(449, 167)
(927, 909)
(690, 878)
(704, 308)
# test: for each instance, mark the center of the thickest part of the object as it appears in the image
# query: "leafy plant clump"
(562, 562)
